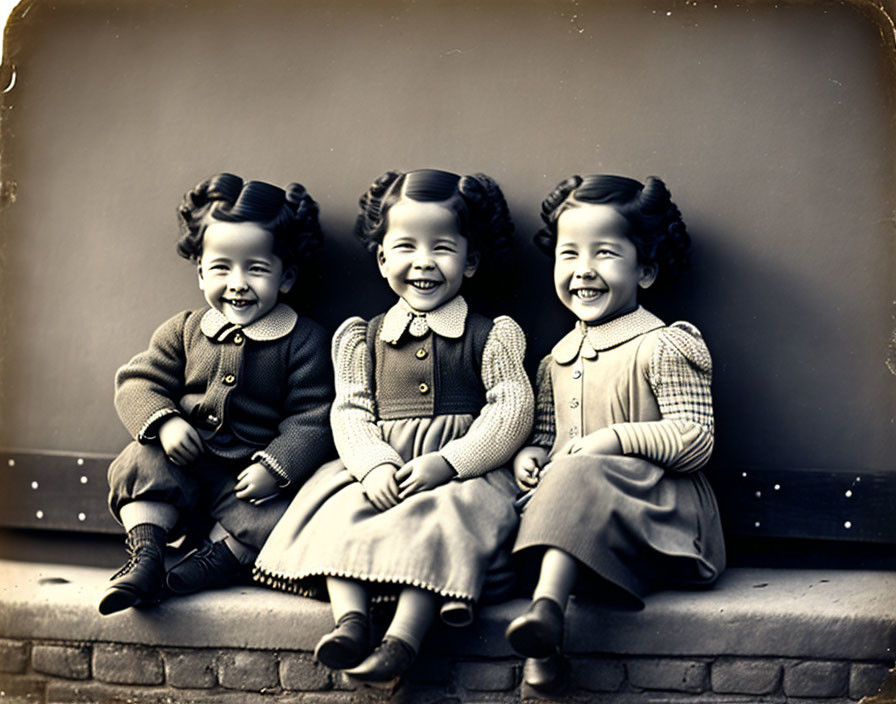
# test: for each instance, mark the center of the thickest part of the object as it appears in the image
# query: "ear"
(472, 264)
(648, 275)
(201, 280)
(288, 280)
(381, 260)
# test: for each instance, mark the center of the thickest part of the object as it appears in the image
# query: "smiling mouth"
(239, 304)
(424, 284)
(588, 294)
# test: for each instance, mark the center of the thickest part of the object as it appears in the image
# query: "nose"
(423, 259)
(584, 270)
(236, 281)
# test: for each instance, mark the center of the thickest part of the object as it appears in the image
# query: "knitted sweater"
(261, 391)
(678, 368)
(496, 432)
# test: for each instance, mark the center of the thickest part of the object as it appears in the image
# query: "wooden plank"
(64, 491)
(806, 503)
(55, 491)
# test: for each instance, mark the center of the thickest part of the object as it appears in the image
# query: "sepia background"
(772, 123)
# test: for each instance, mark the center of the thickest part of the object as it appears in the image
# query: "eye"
(217, 268)
(259, 269)
(605, 252)
(566, 253)
(445, 248)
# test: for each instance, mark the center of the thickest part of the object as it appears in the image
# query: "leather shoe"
(388, 661)
(211, 567)
(549, 675)
(141, 579)
(347, 644)
(539, 631)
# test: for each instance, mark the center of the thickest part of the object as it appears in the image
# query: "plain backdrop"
(771, 122)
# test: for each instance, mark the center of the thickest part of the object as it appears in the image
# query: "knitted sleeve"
(305, 440)
(147, 387)
(680, 372)
(359, 440)
(545, 431)
(506, 419)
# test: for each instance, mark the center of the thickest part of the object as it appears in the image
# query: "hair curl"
(476, 200)
(656, 228)
(290, 215)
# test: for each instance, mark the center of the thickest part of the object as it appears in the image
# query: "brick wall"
(66, 672)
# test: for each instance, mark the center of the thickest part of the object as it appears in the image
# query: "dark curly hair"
(476, 200)
(656, 228)
(290, 215)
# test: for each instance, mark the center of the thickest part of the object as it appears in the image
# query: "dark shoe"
(211, 567)
(389, 661)
(457, 613)
(347, 644)
(548, 675)
(539, 632)
(142, 578)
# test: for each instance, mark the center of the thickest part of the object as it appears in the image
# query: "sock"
(557, 577)
(155, 512)
(413, 616)
(246, 554)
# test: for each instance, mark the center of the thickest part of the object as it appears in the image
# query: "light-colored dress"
(444, 539)
(647, 519)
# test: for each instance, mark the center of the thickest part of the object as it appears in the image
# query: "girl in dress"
(431, 401)
(623, 420)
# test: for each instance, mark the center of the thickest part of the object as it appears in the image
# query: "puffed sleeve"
(544, 433)
(305, 440)
(506, 419)
(680, 373)
(146, 388)
(359, 440)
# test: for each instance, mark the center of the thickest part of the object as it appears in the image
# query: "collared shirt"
(448, 320)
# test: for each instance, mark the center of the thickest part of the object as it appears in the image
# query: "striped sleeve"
(505, 421)
(545, 431)
(353, 417)
(680, 373)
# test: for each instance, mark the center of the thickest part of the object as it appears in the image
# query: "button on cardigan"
(262, 391)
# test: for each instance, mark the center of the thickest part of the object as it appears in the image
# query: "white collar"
(605, 336)
(276, 324)
(448, 320)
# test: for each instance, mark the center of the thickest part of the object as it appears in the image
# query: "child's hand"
(381, 487)
(180, 440)
(425, 472)
(255, 484)
(600, 442)
(527, 464)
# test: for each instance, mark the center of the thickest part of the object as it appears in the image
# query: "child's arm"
(147, 387)
(304, 441)
(358, 438)
(530, 460)
(506, 419)
(679, 372)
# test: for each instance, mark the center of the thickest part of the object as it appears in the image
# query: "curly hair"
(290, 215)
(476, 200)
(656, 228)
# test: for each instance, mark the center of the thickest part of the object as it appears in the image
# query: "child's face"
(239, 273)
(596, 269)
(424, 257)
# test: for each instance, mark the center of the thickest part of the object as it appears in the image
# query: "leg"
(142, 577)
(147, 495)
(413, 616)
(538, 633)
(222, 561)
(347, 644)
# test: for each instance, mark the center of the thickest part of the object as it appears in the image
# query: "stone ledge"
(752, 612)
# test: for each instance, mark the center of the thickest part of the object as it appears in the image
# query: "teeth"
(424, 285)
(587, 294)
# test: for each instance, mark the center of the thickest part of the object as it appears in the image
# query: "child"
(430, 400)
(623, 419)
(229, 404)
